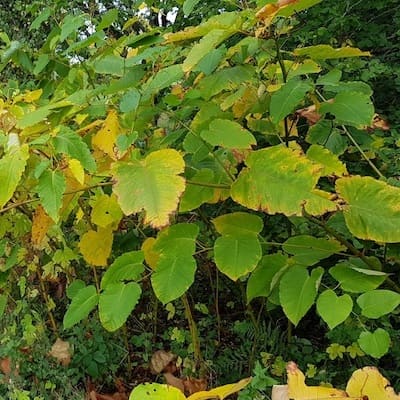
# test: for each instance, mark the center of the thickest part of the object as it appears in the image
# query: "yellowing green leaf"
(12, 166)
(106, 137)
(330, 162)
(41, 223)
(77, 170)
(372, 209)
(150, 255)
(152, 185)
(95, 246)
(325, 52)
(106, 211)
(238, 223)
(286, 186)
(220, 392)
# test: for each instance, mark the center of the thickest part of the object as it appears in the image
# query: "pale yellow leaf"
(95, 246)
(106, 137)
(220, 392)
(77, 170)
(106, 211)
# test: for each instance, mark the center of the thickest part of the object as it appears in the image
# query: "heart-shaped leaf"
(334, 309)
(376, 344)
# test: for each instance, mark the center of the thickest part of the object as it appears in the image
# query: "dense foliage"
(225, 190)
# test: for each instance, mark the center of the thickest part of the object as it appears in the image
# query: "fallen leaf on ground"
(61, 351)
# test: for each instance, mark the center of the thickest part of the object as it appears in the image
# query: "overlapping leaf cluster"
(148, 133)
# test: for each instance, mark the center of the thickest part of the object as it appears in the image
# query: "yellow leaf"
(106, 211)
(369, 383)
(150, 255)
(95, 246)
(77, 170)
(106, 137)
(89, 127)
(40, 225)
(298, 390)
(220, 392)
(29, 97)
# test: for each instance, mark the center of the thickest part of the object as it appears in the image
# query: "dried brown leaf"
(61, 351)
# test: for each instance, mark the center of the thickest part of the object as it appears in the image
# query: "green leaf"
(189, 5)
(308, 250)
(70, 143)
(372, 208)
(130, 101)
(334, 309)
(296, 6)
(127, 267)
(350, 108)
(238, 223)
(297, 291)
(286, 186)
(75, 286)
(237, 255)
(331, 164)
(12, 166)
(229, 134)
(156, 391)
(42, 17)
(107, 19)
(152, 185)
(3, 304)
(116, 303)
(284, 100)
(375, 344)
(264, 278)
(82, 304)
(175, 267)
(207, 44)
(71, 24)
(376, 303)
(110, 64)
(162, 79)
(326, 52)
(195, 195)
(351, 278)
(324, 134)
(106, 211)
(51, 188)
(41, 63)
(34, 117)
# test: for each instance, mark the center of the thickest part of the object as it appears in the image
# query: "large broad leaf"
(95, 246)
(116, 303)
(308, 250)
(354, 276)
(12, 166)
(127, 267)
(229, 134)
(83, 302)
(334, 309)
(376, 303)
(51, 189)
(351, 108)
(284, 101)
(105, 139)
(106, 211)
(297, 291)
(152, 185)
(330, 162)
(175, 266)
(264, 278)
(69, 142)
(286, 186)
(375, 344)
(372, 208)
(325, 52)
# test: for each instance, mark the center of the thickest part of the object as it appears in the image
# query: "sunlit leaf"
(286, 186)
(220, 392)
(332, 166)
(106, 137)
(156, 391)
(152, 185)
(372, 208)
(325, 52)
(106, 211)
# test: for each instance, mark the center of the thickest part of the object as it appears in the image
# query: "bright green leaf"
(375, 344)
(82, 304)
(116, 303)
(284, 100)
(297, 291)
(326, 52)
(376, 303)
(334, 309)
(238, 223)
(156, 391)
(228, 134)
(51, 189)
